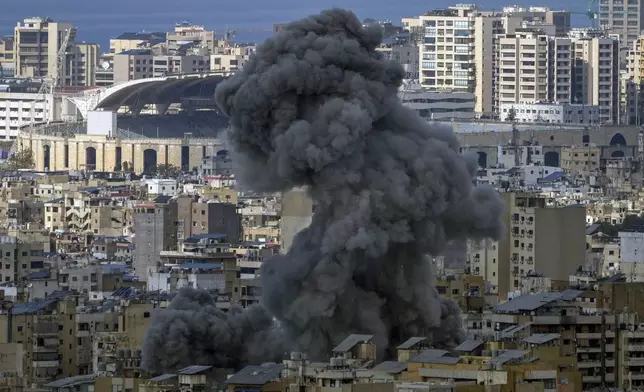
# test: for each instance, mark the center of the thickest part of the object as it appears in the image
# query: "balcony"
(46, 364)
(588, 335)
(588, 363)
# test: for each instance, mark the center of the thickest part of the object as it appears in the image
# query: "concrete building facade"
(36, 45)
(556, 113)
(297, 212)
(155, 225)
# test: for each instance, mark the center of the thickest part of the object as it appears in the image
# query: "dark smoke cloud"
(317, 106)
(193, 331)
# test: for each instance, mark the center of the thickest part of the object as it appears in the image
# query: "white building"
(528, 155)
(165, 187)
(440, 105)
(532, 174)
(632, 255)
(203, 276)
(558, 113)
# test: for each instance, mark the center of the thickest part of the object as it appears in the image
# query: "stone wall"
(132, 151)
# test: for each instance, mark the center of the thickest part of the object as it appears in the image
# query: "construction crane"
(51, 81)
(591, 13)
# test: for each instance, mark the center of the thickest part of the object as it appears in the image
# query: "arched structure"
(46, 153)
(90, 158)
(618, 140)
(160, 92)
(617, 154)
(482, 159)
(149, 160)
(551, 158)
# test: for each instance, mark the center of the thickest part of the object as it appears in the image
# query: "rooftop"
(352, 340)
(256, 375)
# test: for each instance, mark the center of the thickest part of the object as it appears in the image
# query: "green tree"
(23, 159)
(512, 114)
(165, 170)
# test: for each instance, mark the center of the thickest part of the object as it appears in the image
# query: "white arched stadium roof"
(160, 90)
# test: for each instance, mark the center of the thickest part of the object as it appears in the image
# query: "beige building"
(84, 63)
(133, 41)
(624, 19)
(6, 55)
(524, 68)
(596, 76)
(544, 240)
(36, 46)
(581, 161)
(185, 33)
(460, 46)
(140, 64)
(230, 58)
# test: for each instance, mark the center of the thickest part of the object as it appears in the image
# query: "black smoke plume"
(317, 106)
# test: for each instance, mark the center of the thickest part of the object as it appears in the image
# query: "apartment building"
(36, 45)
(84, 64)
(6, 57)
(144, 63)
(447, 53)
(596, 76)
(134, 41)
(625, 19)
(155, 225)
(549, 241)
(216, 217)
(230, 58)
(404, 54)
(581, 161)
(20, 258)
(533, 68)
(460, 48)
(186, 33)
(22, 105)
(557, 113)
(86, 212)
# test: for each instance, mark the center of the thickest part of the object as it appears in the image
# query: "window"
(146, 314)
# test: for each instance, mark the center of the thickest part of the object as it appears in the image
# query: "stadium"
(140, 124)
(134, 126)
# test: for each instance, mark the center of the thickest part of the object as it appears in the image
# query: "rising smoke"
(317, 106)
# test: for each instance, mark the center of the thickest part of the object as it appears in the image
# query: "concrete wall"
(560, 241)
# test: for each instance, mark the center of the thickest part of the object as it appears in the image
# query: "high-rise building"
(596, 76)
(84, 63)
(460, 46)
(623, 18)
(447, 52)
(37, 42)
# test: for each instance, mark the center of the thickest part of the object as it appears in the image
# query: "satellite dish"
(105, 65)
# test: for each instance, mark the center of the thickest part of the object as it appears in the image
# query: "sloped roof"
(348, 343)
(468, 346)
(411, 342)
(541, 338)
(256, 375)
(391, 367)
(194, 369)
